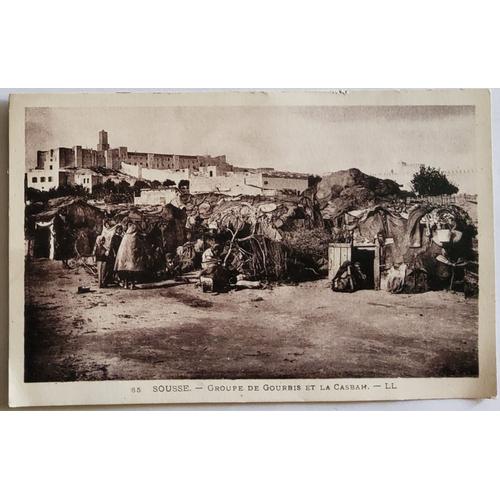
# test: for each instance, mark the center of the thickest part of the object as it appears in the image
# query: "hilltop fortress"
(88, 167)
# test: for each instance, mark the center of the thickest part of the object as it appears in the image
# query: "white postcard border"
(198, 391)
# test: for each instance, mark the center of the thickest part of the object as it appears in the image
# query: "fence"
(445, 199)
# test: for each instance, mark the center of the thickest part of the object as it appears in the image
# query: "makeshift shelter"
(162, 229)
(63, 228)
(271, 215)
(427, 247)
(261, 234)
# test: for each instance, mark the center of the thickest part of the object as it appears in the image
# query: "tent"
(162, 229)
(259, 233)
(63, 228)
(269, 215)
(421, 247)
(265, 237)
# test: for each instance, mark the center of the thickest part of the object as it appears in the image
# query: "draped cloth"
(396, 278)
(130, 256)
(108, 233)
(413, 225)
(50, 225)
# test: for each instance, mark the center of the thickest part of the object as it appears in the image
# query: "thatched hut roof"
(77, 209)
(269, 216)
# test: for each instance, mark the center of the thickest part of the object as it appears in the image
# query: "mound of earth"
(352, 189)
(332, 185)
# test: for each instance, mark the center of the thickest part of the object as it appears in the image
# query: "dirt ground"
(299, 331)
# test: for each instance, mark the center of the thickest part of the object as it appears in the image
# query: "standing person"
(101, 258)
(112, 252)
(64, 242)
(129, 262)
(107, 231)
(198, 252)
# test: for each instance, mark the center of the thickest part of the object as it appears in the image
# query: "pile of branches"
(270, 216)
(259, 257)
(313, 242)
(274, 239)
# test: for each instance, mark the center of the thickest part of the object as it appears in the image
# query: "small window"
(34, 180)
(50, 179)
(50, 167)
(42, 179)
(266, 183)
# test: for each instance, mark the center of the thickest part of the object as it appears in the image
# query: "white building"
(403, 174)
(223, 179)
(155, 174)
(158, 197)
(50, 177)
(42, 180)
(87, 178)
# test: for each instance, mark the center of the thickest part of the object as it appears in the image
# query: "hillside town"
(91, 167)
(209, 233)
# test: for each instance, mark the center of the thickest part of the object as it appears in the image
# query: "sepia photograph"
(240, 241)
(249, 248)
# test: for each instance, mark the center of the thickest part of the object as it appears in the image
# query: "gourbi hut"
(425, 247)
(62, 229)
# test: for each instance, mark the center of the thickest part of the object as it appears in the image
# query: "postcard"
(266, 246)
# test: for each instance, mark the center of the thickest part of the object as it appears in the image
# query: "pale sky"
(302, 139)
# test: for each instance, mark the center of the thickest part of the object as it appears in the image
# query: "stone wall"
(132, 170)
(155, 174)
(232, 185)
(293, 183)
(156, 196)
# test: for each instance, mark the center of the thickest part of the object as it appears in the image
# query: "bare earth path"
(286, 332)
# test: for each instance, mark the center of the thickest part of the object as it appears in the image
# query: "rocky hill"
(352, 189)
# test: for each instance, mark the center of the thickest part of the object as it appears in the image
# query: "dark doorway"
(42, 243)
(366, 259)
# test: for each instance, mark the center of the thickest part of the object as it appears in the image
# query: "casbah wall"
(293, 183)
(156, 196)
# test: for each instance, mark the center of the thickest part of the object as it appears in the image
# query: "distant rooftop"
(279, 173)
(87, 171)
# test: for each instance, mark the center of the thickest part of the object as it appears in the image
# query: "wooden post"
(376, 266)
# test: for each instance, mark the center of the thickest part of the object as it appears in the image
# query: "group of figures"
(121, 258)
(118, 256)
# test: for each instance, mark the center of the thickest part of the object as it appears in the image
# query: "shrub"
(429, 181)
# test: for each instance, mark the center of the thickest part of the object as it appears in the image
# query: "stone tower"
(103, 141)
